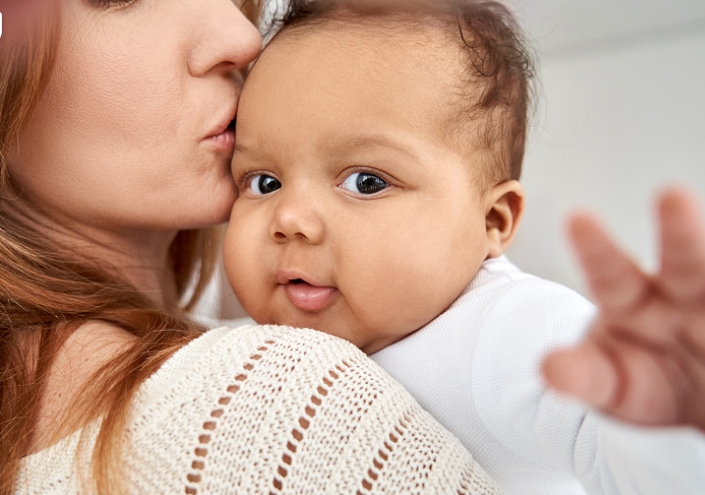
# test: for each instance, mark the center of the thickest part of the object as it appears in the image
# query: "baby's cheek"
(237, 258)
(395, 304)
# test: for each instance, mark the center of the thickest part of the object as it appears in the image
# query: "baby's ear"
(504, 207)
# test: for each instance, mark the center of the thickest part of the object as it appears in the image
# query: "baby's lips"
(309, 298)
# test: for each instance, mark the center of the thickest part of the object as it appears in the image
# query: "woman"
(115, 146)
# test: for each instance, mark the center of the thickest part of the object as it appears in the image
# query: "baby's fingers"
(625, 381)
(682, 275)
(615, 281)
(581, 372)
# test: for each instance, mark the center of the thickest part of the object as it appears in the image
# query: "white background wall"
(622, 112)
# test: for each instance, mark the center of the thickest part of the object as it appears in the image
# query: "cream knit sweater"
(271, 410)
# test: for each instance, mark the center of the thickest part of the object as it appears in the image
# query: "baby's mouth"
(307, 297)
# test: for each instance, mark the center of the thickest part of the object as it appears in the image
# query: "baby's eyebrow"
(241, 148)
(253, 151)
(378, 141)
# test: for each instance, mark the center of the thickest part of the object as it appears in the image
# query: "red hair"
(48, 291)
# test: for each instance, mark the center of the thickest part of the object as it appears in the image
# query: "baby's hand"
(643, 360)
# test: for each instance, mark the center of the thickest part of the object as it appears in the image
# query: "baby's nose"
(297, 219)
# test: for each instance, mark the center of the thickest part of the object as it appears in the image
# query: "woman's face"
(132, 132)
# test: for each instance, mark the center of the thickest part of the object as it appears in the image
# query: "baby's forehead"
(467, 61)
(399, 59)
(419, 47)
(370, 50)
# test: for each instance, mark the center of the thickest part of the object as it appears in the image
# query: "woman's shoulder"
(224, 357)
(91, 346)
(253, 366)
(233, 354)
(309, 411)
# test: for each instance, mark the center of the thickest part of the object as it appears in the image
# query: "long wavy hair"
(47, 292)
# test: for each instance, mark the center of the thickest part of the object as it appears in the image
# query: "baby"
(379, 146)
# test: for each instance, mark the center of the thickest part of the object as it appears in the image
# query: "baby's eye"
(364, 183)
(263, 184)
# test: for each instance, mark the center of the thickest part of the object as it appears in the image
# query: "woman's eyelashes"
(107, 4)
(364, 183)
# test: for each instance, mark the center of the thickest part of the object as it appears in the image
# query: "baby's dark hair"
(497, 88)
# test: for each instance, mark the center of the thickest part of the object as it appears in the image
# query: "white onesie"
(475, 368)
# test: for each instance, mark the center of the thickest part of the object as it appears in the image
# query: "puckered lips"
(306, 295)
(222, 134)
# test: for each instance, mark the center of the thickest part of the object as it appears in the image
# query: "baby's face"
(355, 215)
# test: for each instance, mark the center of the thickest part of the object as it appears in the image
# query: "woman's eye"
(364, 183)
(263, 184)
(106, 4)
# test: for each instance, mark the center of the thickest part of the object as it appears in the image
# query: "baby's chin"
(326, 323)
(341, 323)
(320, 323)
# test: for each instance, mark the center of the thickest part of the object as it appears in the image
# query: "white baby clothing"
(475, 368)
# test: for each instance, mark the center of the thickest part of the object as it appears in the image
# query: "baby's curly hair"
(497, 86)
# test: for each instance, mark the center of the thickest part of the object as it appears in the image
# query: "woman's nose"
(297, 219)
(227, 40)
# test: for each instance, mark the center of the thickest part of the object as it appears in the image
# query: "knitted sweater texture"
(270, 410)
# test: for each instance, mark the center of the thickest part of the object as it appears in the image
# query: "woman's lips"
(307, 297)
(225, 141)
